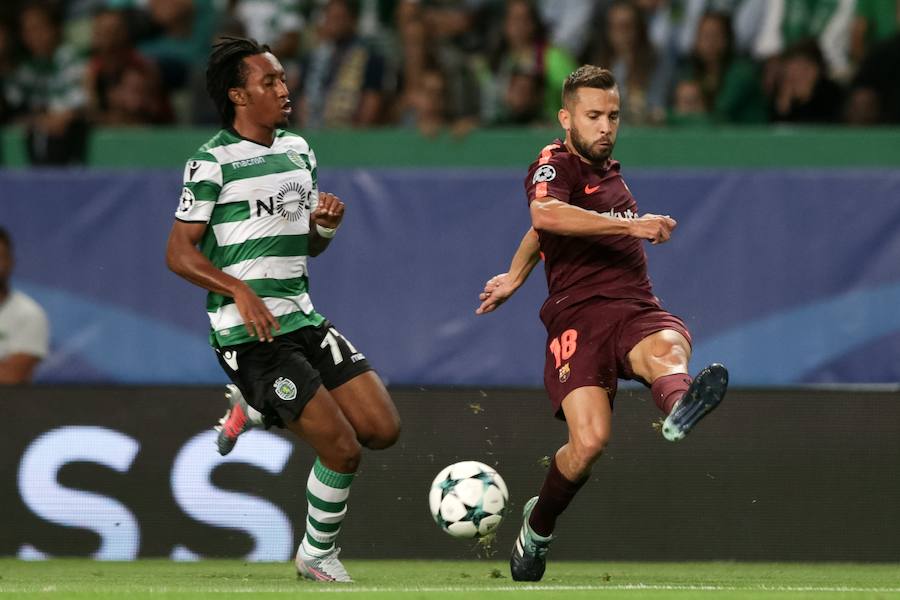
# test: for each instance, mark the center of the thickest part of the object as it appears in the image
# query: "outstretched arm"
(499, 288)
(554, 216)
(183, 257)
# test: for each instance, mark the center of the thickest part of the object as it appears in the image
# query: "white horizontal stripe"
(268, 267)
(324, 492)
(228, 316)
(325, 517)
(238, 232)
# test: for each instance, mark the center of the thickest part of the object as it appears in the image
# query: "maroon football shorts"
(588, 344)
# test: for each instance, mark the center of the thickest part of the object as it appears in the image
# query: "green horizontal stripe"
(272, 163)
(204, 190)
(289, 322)
(264, 288)
(323, 527)
(230, 213)
(278, 245)
(332, 507)
(317, 544)
(332, 478)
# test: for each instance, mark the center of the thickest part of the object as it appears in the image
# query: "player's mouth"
(286, 109)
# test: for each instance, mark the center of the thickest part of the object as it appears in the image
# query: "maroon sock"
(668, 389)
(556, 494)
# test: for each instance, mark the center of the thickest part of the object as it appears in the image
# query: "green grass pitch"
(446, 580)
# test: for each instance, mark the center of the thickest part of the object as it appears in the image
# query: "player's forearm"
(189, 263)
(526, 257)
(564, 219)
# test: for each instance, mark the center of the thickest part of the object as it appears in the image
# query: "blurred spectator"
(426, 107)
(343, 78)
(625, 49)
(181, 40)
(875, 95)
(689, 105)
(730, 84)
(24, 329)
(7, 66)
(788, 22)
(804, 93)
(277, 23)
(525, 54)
(46, 91)
(123, 87)
(873, 22)
(568, 23)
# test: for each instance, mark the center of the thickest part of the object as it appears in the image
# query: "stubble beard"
(596, 157)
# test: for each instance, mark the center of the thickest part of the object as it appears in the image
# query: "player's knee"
(346, 452)
(588, 446)
(384, 435)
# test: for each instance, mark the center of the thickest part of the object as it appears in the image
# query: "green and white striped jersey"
(256, 201)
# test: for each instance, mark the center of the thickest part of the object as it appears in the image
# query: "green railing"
(725, 147)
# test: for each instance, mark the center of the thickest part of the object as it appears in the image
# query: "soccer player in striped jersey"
(603, 321)
(249, 218)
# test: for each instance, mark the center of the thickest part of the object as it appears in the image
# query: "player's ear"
(238, 96)
(564, 118)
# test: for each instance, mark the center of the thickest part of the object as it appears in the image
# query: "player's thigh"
(323, 425)
(588, 413)
(369, 408)
(663, 352)
(358, 390)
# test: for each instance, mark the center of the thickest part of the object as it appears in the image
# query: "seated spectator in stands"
(276, 23)
(46, 91)
(180, 42)
(525, 52)
(689, 105)
(426, 108)
(787, 23)
(873, 21)
(624, 48)
(24, 329)
(523, 100)
(343, 79)
(875, 94)
(731, 85)
(122, 86)
(804, 93)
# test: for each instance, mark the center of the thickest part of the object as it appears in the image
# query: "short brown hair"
(586, 76)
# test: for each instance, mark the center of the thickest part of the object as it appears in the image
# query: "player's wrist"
(326, 232)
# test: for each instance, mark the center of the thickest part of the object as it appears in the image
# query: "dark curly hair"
(226, 70)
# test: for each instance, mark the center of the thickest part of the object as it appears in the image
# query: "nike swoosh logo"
(590, 190)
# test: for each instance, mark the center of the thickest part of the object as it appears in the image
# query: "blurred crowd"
(449, 65)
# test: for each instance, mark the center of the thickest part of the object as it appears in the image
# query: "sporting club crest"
(285, 388)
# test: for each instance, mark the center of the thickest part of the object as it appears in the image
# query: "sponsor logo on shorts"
(230, 357)
(357, 357)
(285, 388)
(564, 372)
(544, 173)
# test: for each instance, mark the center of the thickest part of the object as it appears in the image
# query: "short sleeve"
(32, 332)
(202, 184)
(549, 176)
(314, 173)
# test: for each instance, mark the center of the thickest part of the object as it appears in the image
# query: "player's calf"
(702, 397)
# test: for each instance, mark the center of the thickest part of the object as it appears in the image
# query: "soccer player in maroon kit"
(603, 321)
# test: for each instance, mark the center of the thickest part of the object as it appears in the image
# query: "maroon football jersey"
(577, 268)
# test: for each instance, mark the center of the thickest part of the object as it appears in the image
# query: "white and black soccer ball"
(468, 499)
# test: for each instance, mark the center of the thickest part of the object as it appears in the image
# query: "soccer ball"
(468, 499)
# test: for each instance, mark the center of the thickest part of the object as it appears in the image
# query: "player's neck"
(254, 132)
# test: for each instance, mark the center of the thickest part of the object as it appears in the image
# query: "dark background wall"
(772, 475)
